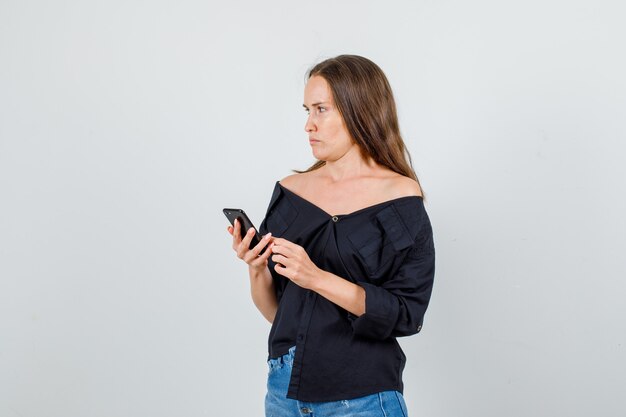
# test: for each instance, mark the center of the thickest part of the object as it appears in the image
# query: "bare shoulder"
(290, 180)
(293, 181)
(401, 186)
(297, 182)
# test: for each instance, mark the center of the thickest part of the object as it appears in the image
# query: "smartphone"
(244, 223)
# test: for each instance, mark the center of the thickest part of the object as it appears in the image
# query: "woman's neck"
(349, 166)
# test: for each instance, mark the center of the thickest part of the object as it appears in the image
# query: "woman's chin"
(318, 155)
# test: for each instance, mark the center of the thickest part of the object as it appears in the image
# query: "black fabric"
(387, 249)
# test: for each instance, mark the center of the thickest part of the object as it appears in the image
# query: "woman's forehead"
(317, 91)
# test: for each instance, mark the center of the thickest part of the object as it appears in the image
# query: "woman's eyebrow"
(314, 104)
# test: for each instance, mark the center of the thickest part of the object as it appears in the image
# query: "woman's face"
(328, 136)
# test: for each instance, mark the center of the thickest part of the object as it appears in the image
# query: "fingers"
(281, 269)
(282, 241)
(247, 238)
(254, 257)
(236, 234)
(284, 247)
(261, 259)
(259, 246)
(280, 259)
(244, 245)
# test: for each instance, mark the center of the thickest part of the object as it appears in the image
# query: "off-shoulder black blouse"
(387, 249)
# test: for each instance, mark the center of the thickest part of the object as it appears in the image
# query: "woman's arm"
(298, 267)
(261, 282)
(263, 293)
(395, 308)
(345, 294)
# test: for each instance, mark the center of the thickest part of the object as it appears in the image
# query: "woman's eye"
(319, 109)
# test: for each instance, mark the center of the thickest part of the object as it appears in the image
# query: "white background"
(125, 127)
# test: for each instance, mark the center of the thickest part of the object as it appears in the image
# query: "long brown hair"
(365, 101)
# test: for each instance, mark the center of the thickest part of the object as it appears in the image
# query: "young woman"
(351, 259)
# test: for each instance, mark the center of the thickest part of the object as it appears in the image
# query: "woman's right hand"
(251, 256)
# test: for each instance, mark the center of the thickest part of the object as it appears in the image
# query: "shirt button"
(335, 219)
(419, 327)
(305, 410)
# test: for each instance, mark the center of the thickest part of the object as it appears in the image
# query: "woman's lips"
(313, 141)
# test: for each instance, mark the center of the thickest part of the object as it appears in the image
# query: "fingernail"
(267, 236)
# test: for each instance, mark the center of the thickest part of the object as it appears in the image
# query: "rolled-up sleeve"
(397, 306)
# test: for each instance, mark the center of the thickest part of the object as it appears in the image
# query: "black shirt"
(387, 249)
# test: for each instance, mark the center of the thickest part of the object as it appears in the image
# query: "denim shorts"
(382, 404)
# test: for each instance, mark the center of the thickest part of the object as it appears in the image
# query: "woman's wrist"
(257, 272)
(340, 291)
(320, 281)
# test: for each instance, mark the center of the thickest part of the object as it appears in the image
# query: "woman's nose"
(309, 126)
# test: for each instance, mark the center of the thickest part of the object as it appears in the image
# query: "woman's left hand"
(297, 266)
